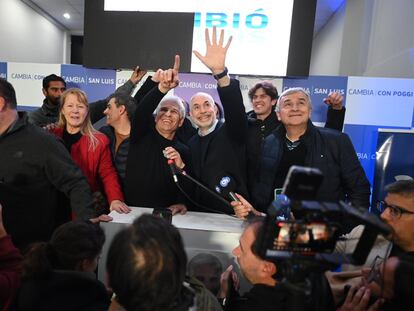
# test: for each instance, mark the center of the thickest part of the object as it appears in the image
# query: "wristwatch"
(221, 74)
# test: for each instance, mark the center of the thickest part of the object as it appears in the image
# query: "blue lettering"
(216, 19)
(236, 20)
(197, 19)
(384, 93)
(403, 93)
(363, 92)
(257, 20)
(23, 76)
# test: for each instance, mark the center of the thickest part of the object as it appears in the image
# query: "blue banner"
(394, 160)
(3, 70)
(364, 139)
(75, 76)
(319, 87)
(97, 83)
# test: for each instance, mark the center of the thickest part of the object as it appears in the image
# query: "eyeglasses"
(395, 211)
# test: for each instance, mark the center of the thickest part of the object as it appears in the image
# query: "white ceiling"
(54, 10)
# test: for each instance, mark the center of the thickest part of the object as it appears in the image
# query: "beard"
(54, 101)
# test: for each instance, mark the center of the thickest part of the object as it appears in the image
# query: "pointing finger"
(177, 62)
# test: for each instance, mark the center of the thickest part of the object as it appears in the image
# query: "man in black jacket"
(34, 166)
(262, 121)
(299, 142)
(218, 149)
(148, 179)
(119, 112)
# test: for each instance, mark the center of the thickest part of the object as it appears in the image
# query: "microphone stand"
(206, 189)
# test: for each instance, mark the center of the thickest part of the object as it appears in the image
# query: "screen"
(307, 237)
(270, 38)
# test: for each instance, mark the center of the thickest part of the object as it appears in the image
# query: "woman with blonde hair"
(89, 148)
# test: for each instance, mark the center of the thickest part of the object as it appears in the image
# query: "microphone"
(226, 186)
(173, 169)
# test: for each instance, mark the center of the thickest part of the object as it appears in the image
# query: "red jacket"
(10, 268)
(96, 164)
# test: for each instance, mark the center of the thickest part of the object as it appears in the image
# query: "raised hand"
(137, 75)
(156, 76)
(224, 282)
(169, 78)
(216, 51)
(335, 100)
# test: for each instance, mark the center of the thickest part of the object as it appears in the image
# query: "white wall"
(391, 46)
(367, 38)
(26, 36)
(327, 46)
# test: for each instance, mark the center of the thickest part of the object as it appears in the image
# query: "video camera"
(305, 241)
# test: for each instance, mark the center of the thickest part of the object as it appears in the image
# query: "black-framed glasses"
(395, 211)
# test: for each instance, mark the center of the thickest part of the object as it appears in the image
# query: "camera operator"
(398, 212)
(267, 293)
(386, 286)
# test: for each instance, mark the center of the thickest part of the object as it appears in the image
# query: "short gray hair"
(293, 90)
(175, 100)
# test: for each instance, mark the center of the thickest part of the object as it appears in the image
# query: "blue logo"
(224, 181)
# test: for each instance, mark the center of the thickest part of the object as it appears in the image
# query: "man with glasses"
(397, 210)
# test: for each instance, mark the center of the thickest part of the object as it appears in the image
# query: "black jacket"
(258, 130)
(64, 291)
(121, 155)
(330, 151)
(34, 167)
(261, 297)
(148, 181)
(222, 152)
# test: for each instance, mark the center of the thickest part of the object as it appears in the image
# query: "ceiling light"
(66, 15)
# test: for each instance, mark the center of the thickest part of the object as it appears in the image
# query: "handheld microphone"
(173, 169)
(226, 187)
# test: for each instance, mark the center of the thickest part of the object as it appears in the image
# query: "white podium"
(201, 232)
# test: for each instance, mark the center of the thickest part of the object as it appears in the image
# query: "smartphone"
(163, 213)
(302, 183)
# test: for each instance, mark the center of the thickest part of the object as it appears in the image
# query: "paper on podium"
(191, 220)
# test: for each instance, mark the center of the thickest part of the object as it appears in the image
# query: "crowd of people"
(59, 177)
